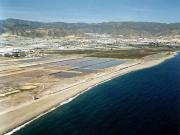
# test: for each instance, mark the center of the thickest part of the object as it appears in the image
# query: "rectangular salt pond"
(60, 63)
(92, 61)
(70, 62)
(84, 70)
(32, 60)
(92, 67)
(65, 74)
(107, 64)
(85, 64)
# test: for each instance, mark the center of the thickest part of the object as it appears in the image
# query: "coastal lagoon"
(144, 102)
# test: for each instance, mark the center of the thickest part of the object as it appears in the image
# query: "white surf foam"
(42, 114)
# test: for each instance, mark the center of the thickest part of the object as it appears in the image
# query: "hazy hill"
(31, 28)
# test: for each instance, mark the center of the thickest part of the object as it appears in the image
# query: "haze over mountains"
(59, 29)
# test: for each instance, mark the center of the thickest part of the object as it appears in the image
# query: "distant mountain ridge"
(57, 29)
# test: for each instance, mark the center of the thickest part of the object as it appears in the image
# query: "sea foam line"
(42, 114)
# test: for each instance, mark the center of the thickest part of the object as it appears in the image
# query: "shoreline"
(22, 118)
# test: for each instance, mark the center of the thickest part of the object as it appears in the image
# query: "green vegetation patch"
(119, 54)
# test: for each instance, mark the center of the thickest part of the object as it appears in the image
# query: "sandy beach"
(17, 116)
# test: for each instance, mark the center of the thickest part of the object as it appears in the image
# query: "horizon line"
(99, 22)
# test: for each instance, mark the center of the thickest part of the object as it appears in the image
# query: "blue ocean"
(144, 102)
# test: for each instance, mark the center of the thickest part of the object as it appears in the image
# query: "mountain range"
(59, 29)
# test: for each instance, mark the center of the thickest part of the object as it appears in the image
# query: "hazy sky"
(91, 10)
